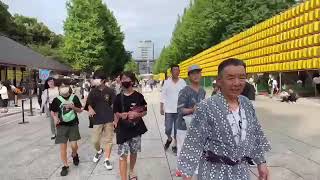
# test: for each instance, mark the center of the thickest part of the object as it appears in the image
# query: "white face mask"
(64, 91)
(97, 82)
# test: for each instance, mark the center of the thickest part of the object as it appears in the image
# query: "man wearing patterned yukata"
(225, 135)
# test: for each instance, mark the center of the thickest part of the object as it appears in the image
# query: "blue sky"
(142, 20)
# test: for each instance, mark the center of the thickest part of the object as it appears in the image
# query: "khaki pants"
(102, 133)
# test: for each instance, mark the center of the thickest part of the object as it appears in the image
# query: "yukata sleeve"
(261, 144)
(194, 142)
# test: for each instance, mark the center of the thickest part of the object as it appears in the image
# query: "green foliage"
(93, 38)
(48, 51)
(132, 66)
(206, 23)
(30, 32)
(6, 22)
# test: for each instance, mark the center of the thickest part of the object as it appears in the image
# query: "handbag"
(126, 123)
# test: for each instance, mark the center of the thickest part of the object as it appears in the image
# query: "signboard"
(44, 74)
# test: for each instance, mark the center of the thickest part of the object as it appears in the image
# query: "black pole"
(22, 106)
(30, 91)
(31, 111)
(22, 102)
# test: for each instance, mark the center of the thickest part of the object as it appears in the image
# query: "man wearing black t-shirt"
(100, 101)
(64, 109)
(129, 108)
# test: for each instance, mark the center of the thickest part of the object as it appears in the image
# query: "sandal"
(134, 177)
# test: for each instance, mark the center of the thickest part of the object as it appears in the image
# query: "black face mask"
(126, 84)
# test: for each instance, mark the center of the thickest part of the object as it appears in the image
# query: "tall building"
(145, 56)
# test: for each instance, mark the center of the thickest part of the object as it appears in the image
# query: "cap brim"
(194, 70)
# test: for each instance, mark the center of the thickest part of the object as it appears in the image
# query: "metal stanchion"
(31, 110)
(23, 121)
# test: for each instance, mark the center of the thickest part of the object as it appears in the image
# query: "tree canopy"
(93, 39)
(206, 23)
(132, 66)
(28, 31)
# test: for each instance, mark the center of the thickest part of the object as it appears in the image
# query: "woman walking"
(3, 98)
(49, 93)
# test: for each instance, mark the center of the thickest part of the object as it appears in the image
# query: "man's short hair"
(173, 66)
(230, 62)
(100, 75)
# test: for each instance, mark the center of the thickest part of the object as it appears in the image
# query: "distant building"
(145, 56)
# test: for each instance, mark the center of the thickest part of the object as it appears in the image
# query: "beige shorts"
(103, 133)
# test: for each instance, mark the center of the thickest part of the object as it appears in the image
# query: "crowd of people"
(9, 91)
(214, 138)
(113, 108)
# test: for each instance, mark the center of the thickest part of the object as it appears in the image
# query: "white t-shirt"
(4, 92)
(169, 94)
(274, 84)
(234, 120)
(53, 93)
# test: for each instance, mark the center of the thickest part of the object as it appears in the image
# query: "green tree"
(206, 23)
(6, 22)
(93, 37)
(30, 32)
(84, 36)
(132, 66)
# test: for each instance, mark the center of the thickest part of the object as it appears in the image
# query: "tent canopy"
(14, 53)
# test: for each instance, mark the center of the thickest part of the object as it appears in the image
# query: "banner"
(44, 74)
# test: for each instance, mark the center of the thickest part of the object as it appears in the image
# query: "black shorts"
(3, 103)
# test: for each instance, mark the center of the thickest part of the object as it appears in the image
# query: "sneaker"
(98, 156)
(76, 160)
(174, 149)
(167, 145)
(108, 164)
(64, 171)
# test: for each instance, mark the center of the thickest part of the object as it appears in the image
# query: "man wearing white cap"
(189, 97)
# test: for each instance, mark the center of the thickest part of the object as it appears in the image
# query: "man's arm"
(162, 97)
(54, 115)
(54, 109)
(261, 147)
(91, 111)
(194, 142)
(182, 101)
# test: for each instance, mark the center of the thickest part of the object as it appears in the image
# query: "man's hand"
(115, 124)
(91, 112)
(133, 115)
(161, 110)
(56, 121)
(186, 178)
(69, 106)
(123, 115)
(263, 172)
(194, 108)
